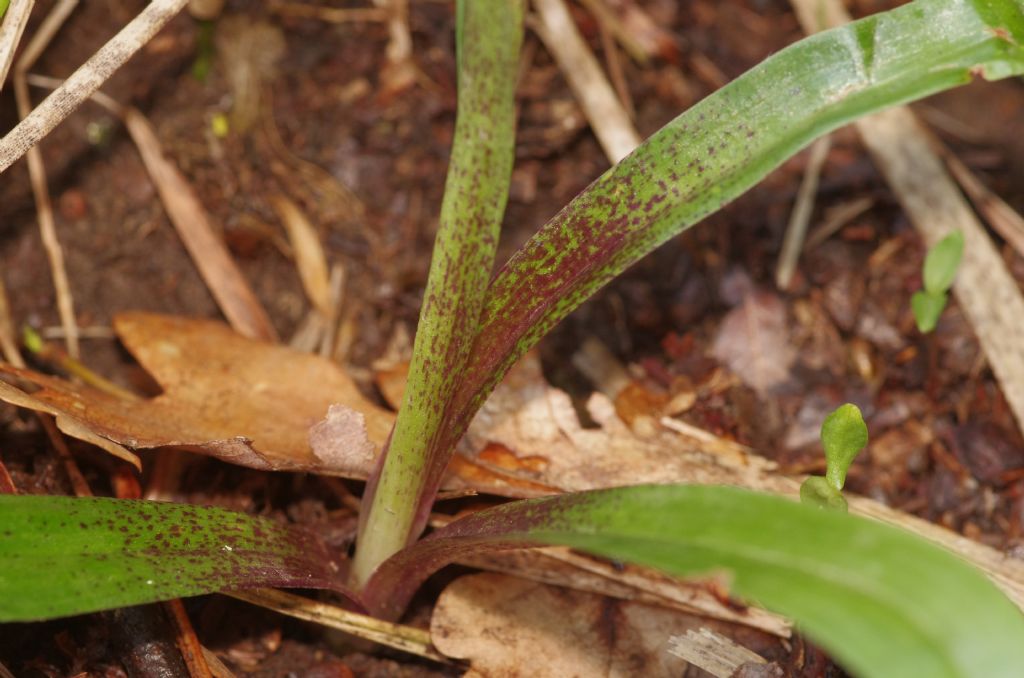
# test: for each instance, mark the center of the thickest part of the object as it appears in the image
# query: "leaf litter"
(242, 401)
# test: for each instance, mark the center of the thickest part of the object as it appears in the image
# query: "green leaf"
(64, 555)
(941, 262)
(816, 491)
(398, 498)
(843, 435)
(3, 7)
(927, 308)
(720, 148)
(883, 602)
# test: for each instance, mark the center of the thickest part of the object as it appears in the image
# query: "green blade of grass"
(720, 148)
(64, 555)
(489, 35)
(884, 603)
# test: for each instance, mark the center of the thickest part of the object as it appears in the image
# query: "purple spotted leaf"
(717, 150)
(61, 556)
(476, 190)
(882, 601)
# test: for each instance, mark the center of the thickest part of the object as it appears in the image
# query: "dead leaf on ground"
(506, 626)
(243, 401)
(754, 341)
(529, 432)
(561, 566)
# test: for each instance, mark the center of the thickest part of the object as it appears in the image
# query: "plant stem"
(488, 38)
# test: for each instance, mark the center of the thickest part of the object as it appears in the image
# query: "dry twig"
(713, 652)
(796, 229)
(11, 28)
(222, 276)
(837, 217)
(37, 175)
(8, 338)
(607, 117)
(406, 638)
(86, 80)
(1000, 215)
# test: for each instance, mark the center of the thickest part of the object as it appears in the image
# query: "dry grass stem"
(607, 19)
(217, 667)
(796, 229)
(1006, 221)
(309, 254)
(618, 75)
(44, 34)
(406, 638)
(86, 80)
(222, 276)
(837, 217)
(337, 284)
(713, 652)
(609, 120)
(11, 28)
(8, 336)
(37, 176)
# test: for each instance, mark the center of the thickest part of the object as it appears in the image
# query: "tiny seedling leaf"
(927, 308)
(61, 556)
(816, 491)
(884, 603)
(941, 262)
(843, 435)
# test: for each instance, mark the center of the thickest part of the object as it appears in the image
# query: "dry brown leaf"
(562, 566)
(243, 401)
(508, 627)
(753, 340)
(530, 431)
(72, 427)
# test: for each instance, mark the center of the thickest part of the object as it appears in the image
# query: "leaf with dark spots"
(755, 123)
(476, 190)
(61, 556)
(883, 602)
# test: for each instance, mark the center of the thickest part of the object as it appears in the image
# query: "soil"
(945, 445)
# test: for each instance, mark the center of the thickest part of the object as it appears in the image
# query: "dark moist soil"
(944, 443)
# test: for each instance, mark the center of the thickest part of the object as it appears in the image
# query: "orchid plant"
(882, 601)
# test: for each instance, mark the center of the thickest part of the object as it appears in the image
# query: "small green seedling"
(843, 435)
(939, 271)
